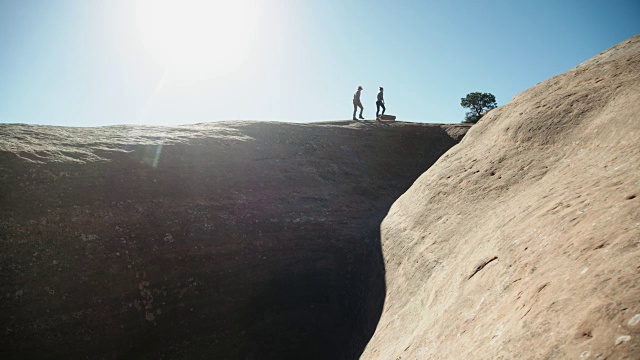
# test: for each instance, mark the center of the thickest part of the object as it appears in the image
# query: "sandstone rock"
(622, 339)
(257, 240)
(523, 242)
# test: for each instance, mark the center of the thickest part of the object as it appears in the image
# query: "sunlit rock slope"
(235, 240)
(523, 242)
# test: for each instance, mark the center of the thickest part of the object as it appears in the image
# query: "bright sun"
(198, 36)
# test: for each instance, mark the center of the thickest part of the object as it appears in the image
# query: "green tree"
(479, 104)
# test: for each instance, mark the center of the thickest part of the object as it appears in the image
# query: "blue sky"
(103, 62)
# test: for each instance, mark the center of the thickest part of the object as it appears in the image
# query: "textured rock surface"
(229, 240)
(523, 242)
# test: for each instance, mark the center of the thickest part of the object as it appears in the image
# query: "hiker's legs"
(361, 108)
(380, 104)
(355, 108)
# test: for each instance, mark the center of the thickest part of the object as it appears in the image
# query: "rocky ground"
(523, 242)
(261, 240)
(235, 240)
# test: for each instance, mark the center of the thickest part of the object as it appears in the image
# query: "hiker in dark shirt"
(380, 103)
(357, 103)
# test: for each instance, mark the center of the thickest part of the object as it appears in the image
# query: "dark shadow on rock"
(260, 246)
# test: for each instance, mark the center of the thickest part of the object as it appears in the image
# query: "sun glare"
(198, 36)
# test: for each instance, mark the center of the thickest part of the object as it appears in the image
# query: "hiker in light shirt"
(380, 103)
(357, 103)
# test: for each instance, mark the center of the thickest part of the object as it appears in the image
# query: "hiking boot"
(355, 119)
(361, 117)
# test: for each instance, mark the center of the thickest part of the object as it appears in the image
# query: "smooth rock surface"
(523, 242)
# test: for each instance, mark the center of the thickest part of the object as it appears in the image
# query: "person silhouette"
(357, 103)
(380, 103)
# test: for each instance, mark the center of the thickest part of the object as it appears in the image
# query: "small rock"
(19, 293)
(634, 320)
(585, 354)
(149, 316)
(623, 338)
(55, 262)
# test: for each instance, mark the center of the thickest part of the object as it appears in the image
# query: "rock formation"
(523, 242)
(236, 240)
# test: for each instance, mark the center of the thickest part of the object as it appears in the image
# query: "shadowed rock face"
(224, 240)
(523, 242)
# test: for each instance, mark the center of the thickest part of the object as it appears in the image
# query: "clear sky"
(103, 62)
